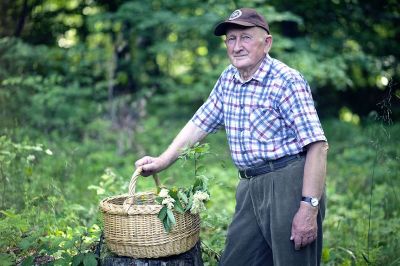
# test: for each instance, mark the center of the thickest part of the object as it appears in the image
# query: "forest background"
(87, 87)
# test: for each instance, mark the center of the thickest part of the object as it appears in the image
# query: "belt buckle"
(245, 176)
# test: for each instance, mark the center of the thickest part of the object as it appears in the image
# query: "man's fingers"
(146, 164)
(301, 242)
(143, 161)
(148, 167)
(306, 241)
(311, 239)
(297, 242)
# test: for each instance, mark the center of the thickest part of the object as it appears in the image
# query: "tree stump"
(189, 258)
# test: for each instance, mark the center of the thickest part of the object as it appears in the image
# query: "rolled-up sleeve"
(297, 107)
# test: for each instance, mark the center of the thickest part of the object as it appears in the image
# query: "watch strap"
(312, 201)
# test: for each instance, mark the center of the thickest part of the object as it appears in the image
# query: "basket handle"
(136, 174)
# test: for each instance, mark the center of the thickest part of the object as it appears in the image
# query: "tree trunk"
(21, 19)
(190, 258)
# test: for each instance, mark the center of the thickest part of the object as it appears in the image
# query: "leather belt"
(269, 166)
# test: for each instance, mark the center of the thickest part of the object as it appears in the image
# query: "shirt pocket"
(265, 124)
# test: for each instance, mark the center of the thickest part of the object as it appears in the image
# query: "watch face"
(314, 202)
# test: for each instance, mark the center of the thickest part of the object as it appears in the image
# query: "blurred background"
(88, 87)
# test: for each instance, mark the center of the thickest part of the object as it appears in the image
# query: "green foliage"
(362, 222)
(6, 259)
(48, 97)
(37, 220)
(55, 232)
(87, 87)
(17, 162)
(190, 199)
(87, 259)
(195, 153)
(59, 220)
(167, 218)
(111, 52)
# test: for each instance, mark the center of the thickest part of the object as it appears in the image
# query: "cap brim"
(221, 28)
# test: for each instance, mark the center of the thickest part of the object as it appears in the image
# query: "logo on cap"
(235, 14)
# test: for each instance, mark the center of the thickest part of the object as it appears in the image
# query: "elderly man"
(277, 143)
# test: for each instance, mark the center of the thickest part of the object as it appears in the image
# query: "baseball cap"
(246, 17)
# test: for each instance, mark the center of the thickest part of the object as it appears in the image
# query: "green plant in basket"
(183, 200)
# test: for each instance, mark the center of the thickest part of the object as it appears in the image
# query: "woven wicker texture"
(132, 228)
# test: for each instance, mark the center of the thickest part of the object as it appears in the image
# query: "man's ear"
(268, 43)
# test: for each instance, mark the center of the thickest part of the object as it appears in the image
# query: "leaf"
(365, 258)
(9, 214)
(178, 207)
(201, 183)
(28, 171)
(200, 168)
(190, 203)
(198, 184)
(173, 193)
(90, 260)
(26, 243)
(163, 213)
(202, 149)
(99, 190)
(64, 260)
(78, 207)
(28, 261)
(6, 259)
(78, 259)
(182, 196)
(171, 217)
(69, 244)
(167, 225)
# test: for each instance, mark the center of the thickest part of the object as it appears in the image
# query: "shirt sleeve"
(298, 109)
(209, 116)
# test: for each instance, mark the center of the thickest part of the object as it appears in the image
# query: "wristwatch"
(310, 200)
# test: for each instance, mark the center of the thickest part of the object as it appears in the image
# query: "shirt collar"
(261, 72)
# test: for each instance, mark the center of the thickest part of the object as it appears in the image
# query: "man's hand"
(189, 135)
(150, 165)
(304, 226)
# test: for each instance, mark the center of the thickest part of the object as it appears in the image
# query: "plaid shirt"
(267, 117)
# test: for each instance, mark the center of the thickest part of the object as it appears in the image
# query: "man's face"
(246, 47)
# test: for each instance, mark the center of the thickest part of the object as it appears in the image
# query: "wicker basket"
(132, 227)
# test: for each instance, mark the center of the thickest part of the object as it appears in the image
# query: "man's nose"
(238, 45)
